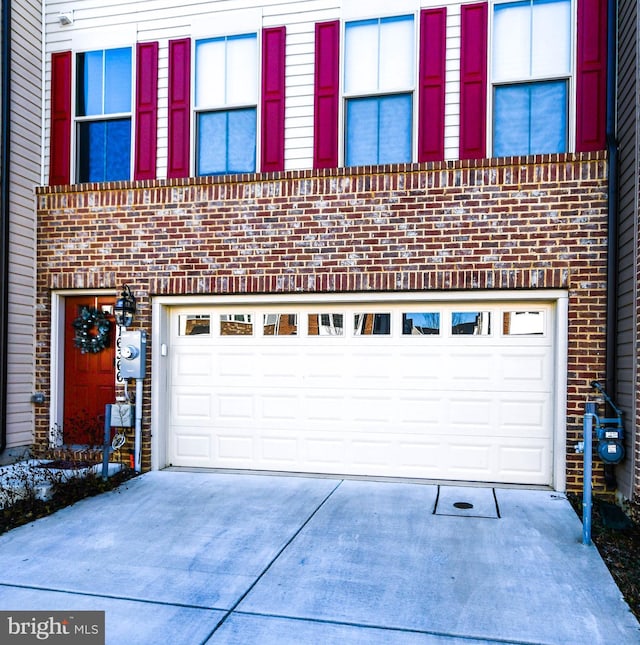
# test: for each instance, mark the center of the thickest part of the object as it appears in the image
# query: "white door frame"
(162, 305)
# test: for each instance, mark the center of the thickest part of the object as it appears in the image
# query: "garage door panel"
(477, 408)
(192, 406)
(192, 447)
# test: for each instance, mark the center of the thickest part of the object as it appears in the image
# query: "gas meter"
(609, 432)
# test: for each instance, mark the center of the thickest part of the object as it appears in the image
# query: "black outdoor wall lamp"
(125, 308)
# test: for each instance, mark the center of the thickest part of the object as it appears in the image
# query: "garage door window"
(421, 324)
(194, 325)
(372, 324)
(236, 325)
(471, 323)
(523, 323)
(280, 325)
(326, 324)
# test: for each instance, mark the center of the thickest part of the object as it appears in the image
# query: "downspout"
(5, 112)
(612, 208)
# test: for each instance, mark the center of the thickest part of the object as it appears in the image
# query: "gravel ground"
(619, 547)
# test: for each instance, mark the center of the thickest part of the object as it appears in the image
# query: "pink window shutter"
(146, 135)
(273, 99)
(473, 81)
(431, 98)
(326, 95)
(179, 108)
(60, 135)
(591, 79)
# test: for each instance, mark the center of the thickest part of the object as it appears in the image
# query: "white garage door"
(460, 392)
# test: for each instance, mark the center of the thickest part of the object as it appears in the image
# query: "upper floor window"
(226, 97)
(531, 67)
(103, 115)
(379, 83)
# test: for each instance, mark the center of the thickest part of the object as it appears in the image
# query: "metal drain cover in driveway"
(466, 502)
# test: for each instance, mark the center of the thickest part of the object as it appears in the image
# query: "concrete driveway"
(182, 558)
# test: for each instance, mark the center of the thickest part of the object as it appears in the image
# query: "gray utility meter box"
(133, 348)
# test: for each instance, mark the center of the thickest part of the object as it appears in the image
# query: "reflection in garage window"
(280, 324)
(326, 324)
(372, 324)
(236, 325)
(416, 324)
(194, 324)
(523, 323)
(471, 323)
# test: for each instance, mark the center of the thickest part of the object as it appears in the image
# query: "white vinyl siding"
(151, 20)
(25, 175)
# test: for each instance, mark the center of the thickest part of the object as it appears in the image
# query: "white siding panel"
(452, 87)
(25, 175)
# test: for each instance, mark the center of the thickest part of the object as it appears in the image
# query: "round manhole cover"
(463, 505)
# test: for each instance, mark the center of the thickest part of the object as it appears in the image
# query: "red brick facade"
(522, 223)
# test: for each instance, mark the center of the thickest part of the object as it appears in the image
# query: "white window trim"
(344, 96)
(75, 119)
(194, 112)
(571, 78)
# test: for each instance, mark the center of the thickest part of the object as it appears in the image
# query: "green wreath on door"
(92, 330)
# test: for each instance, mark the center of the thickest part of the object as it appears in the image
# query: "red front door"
(89, 378)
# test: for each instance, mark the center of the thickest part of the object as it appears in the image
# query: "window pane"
(511, 41)
(395, 129)
(361, 57)
(242, 71)
(523, 323)
(416, 324)
(326, 324)
(396, 57)
(210, 73)
(280, 325)
(551, 37)
(378, 130)
(530, 119)
(362, 132)
(118, 153)
(471, 323)
(117, 81)
(549, 117)
(194, 324)
(511, 120)
(89, 83)
(227, 142)
(372, 324)
(242, 141)
(104, 150)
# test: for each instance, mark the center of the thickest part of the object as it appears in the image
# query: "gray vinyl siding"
(25, 159)
(627, 319)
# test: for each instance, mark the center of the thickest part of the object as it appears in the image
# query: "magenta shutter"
(146, 136)
(591, 80)
(273, 87)
(433, 24)
(326, 97)
(179, 108)
(473, 81)
(60, 136)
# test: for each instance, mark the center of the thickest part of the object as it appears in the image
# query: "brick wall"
(522, 223)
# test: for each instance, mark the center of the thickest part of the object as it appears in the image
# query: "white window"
(531, 68)
(226, 97)
(103, 115)
(379, 83)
